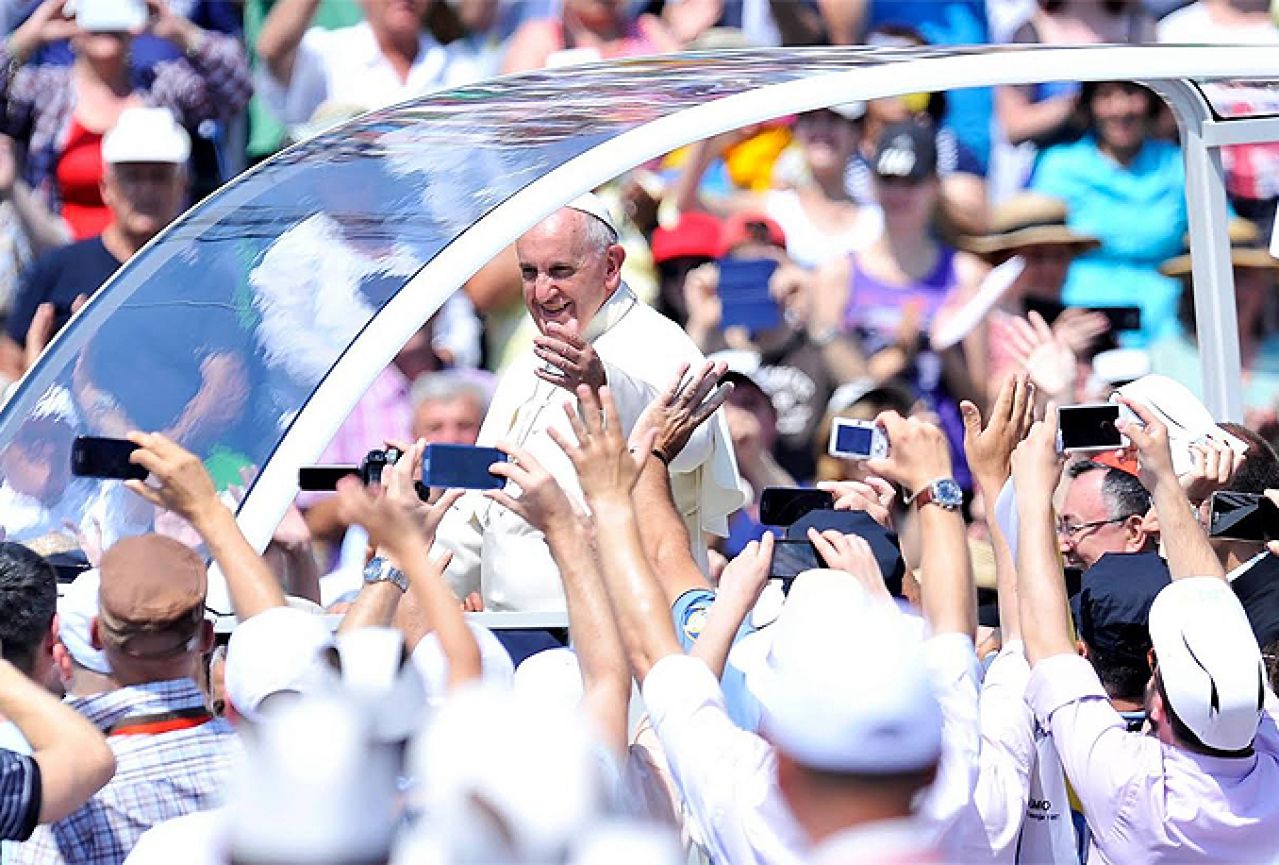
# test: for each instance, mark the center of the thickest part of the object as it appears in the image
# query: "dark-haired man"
(1103, 511)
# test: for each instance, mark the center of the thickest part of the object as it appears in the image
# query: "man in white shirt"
(594, 331)
(1199, 787)
(387, 58)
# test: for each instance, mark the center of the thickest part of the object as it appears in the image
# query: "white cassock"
(500, 555)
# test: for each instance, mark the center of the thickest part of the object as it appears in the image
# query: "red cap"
(1124, 460)
(750, 228)
(696, 235)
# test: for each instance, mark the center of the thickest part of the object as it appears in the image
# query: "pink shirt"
(1150, 802)
(384, 412)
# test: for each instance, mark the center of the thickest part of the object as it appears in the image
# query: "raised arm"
(740, 586)
(74, 760)
(989, 450)
(396, 530)
(1185, 542)
(670, 421)
(281, 35)
(1041, 586)
(184, 487)
(608, 472)
(606, 677)
(919, 455)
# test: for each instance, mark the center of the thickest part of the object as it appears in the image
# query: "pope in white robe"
(588, 318)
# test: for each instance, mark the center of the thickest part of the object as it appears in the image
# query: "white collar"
(370, 53)
(612, 311)
(1245, 567)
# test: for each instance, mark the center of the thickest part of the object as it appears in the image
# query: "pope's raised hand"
(568, 360)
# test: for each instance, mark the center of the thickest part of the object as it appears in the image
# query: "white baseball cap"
(1209, 661)
(276, 650)
(378, 675)
(592, 205)
(554, 675)
(77, 608)
(841, 682)
(535, 772)
(496, 667)
(146, 135)
(1184, 414)
(313, 788)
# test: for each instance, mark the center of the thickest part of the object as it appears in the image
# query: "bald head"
(570, 263)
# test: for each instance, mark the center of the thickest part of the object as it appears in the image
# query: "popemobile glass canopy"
(250, 328)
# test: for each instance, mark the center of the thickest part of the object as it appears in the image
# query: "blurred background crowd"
(919, 257)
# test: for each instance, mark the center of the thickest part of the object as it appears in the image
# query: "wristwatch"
(380, 570)
(944, 493)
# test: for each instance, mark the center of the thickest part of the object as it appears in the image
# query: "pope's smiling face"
(566, 271)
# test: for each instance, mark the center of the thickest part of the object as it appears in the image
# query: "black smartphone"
(1242, 517)
(1089, 428)
(464, 467)
(323, 479)
(793, 557)
(1120, 317)
(93, 457)
(781, 506)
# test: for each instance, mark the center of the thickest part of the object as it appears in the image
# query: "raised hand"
(181, 482)
(875, 496)
(1078, 329)
(570, 360)
(744, 578)
(391, 526)
(852, 555)
(1036, 465)
(1150, 438)
(1215, 466)
(1048, 361)
(605, 468)
(542, 502)
(917, 455)
(989, 448)
(677, 412)
(49, 23)
(401, 482)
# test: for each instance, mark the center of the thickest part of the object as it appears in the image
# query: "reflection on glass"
(219, 332)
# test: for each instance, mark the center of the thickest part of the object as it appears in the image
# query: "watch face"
(948, 494)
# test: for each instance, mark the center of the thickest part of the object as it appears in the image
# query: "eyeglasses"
(1070, 530)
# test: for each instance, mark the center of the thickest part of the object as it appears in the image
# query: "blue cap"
(1112, 609)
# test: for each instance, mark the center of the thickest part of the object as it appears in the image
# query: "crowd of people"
(1003, 653)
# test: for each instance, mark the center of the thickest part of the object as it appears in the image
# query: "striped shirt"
(158, 777)
(19, 795)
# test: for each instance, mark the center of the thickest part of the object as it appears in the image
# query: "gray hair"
(596, 233)
(447, 386)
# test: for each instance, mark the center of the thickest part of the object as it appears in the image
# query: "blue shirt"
(1139, 214)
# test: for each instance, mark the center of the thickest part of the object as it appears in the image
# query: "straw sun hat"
(1246, 250)
(1029, 219)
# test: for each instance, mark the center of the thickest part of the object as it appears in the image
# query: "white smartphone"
(857, 440)
(109, 16)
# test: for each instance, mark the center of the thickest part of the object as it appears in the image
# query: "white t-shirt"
(810, 246)
(345, 67)
(1192, 25)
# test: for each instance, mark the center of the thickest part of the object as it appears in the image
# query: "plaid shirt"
(213, 83)
(19, 795)
(158, 777)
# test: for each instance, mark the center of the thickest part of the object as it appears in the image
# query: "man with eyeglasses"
(1103, 511)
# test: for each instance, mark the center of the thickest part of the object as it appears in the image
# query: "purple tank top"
(874, 314)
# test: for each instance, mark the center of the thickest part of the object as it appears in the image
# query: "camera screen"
(793, 557)
(854, 439)
(1089, 427)
(1244, 517)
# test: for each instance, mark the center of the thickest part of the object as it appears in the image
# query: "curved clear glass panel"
(221, 330)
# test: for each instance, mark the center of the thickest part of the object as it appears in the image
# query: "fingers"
(473, 603)
(511, 504)
(711, 405)
(971, 416)
(141, 489)
(677, 385)
(449, 499)
(1020, 397)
